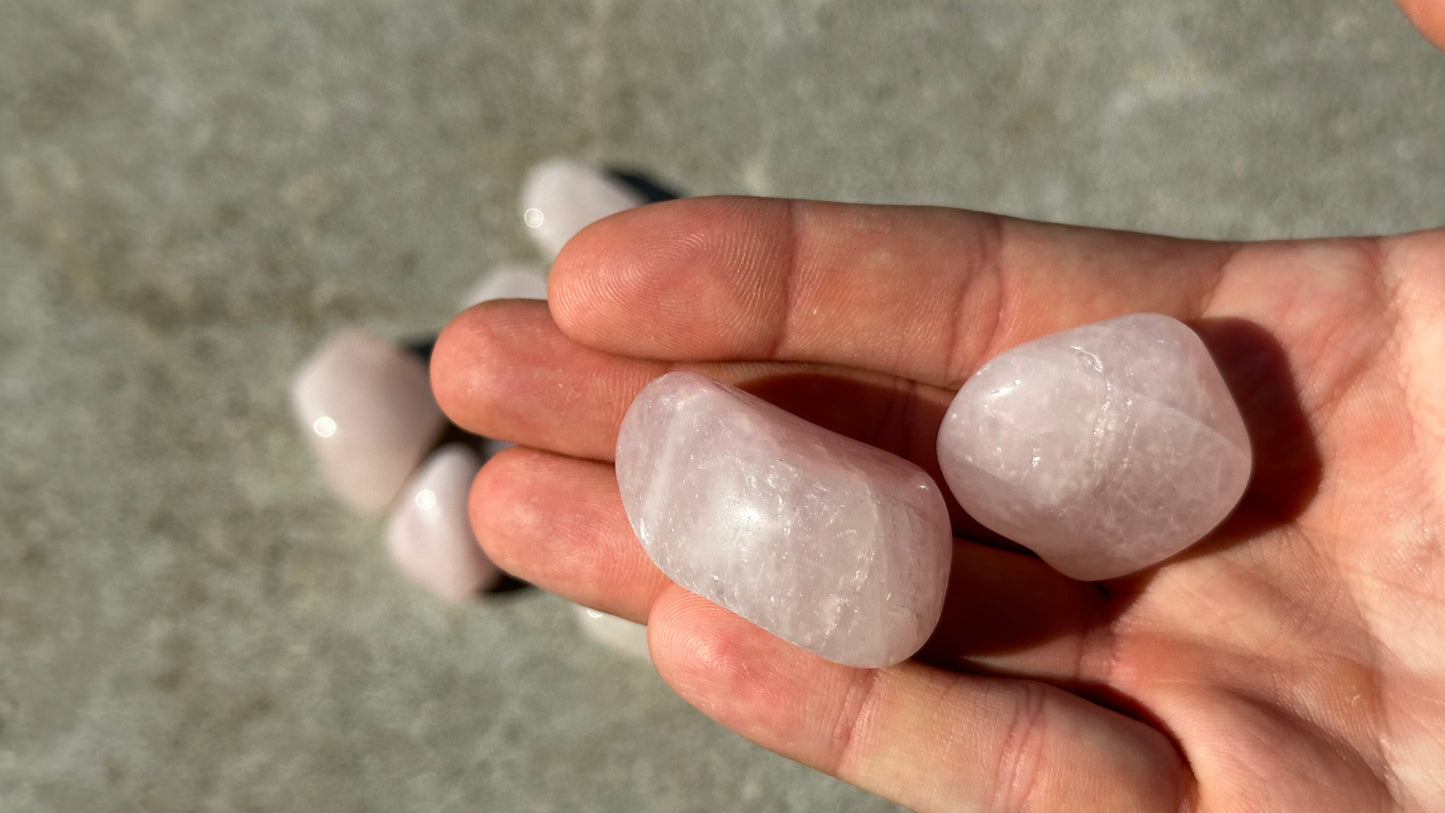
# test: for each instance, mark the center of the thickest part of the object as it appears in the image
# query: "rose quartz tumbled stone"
(1104, 449)
(826, 542)
(560, 197)
(617, 634)
(430, 533)
(366, 409)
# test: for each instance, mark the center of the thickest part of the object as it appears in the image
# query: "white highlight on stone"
(430, 533)
(1104, 449)
(367, 411)
(507, 282)
(826, 542)
(560, 197)
(617, 634)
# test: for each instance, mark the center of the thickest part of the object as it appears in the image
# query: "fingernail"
(617, 634)
(560, 197)
(430, 533)
(367, 411)
(507, 282)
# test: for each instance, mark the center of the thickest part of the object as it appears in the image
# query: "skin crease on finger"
(1290, 658)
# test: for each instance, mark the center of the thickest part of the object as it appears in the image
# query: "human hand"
(1293, 660)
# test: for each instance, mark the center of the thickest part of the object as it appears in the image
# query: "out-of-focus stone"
(430, 533)
(826, 542)
(366, 408)
(1105, 448)
(560, 197)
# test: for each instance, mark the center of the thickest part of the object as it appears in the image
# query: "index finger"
(922, 292)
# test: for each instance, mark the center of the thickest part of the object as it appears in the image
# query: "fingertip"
(523, 527)
(557, 522)
(637, 282)
(607, 265)
(452, 363)
(497, 506)
(478, 361)
(706, 649)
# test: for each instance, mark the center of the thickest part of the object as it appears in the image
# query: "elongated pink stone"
(1104, 449)
(826, 542)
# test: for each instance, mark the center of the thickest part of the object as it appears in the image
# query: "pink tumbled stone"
(430, 532)
(617, 634)
(826, 542)
(1104, 449)
(560, 197)
(507, 282)
(366, 408)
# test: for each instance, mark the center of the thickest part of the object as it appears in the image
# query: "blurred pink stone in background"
(366, 408)
(430, 533)
(561, 196)
(1104, 449)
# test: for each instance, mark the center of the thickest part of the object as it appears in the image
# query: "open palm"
(1294, 660)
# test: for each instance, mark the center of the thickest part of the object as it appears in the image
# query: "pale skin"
(1293, 660)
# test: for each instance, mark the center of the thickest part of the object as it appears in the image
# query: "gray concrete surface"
(194, 194)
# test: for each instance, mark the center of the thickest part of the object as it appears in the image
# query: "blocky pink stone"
(826, 542)
(560, 197)
(1104, 449)
(366, 409)
(430, 533)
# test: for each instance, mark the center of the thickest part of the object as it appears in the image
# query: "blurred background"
(194, 195)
